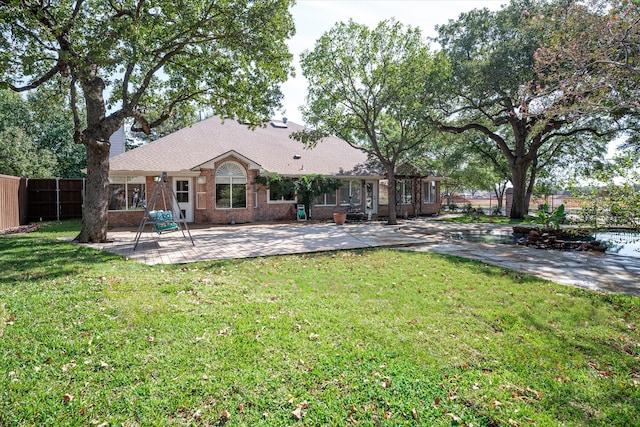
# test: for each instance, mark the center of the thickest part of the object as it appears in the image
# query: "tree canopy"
(593, 52)
(371, 87)
(496, 91)
(23, 151)
(133, 59)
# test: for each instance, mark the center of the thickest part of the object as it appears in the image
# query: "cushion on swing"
(160, 216)
(162, 221)
(165, 226)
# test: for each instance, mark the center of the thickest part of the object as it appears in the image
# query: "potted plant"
(339, 218)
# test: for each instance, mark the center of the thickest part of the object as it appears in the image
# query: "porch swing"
(163, 220)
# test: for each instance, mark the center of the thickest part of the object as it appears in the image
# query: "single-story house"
(212, 167)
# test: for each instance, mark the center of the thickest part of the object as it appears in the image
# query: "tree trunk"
(392, 197)
(519, 181)
(96, 196)
(499, 190)
(96, 139)
(531, 184)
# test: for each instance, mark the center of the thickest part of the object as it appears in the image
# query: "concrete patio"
(593, 271)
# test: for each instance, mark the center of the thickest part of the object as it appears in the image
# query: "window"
(430, 192)
(255, 196)
(127, 192)
(231, 186)
(326, 199)
(201, 192)
(182, 190)
(351, 193)
(282, 191)
(404, 187)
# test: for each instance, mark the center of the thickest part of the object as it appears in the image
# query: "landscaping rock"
(566, 240)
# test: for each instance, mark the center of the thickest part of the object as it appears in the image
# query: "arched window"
(231, 186)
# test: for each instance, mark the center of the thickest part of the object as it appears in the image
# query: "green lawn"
(493, 219)
(375, 337)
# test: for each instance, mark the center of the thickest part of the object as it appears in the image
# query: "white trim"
(242, 177)
(282, 201)
(210, 164)
(187, 207)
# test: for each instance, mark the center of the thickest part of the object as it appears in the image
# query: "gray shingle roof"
(270, 147)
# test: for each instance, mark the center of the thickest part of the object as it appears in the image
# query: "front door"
(182, 189)
(371, 200)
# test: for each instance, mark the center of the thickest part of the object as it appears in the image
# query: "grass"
(372, 337)
(493, 219)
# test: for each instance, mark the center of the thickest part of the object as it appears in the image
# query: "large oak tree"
(144, 60)
(496, 91)
(370, 87)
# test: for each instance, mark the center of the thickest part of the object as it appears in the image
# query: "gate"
(55, 199)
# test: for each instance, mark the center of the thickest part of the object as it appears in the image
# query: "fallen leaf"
(452, 393)
(414, 414)
(537, 393)
(68, 366)
(67, 398)
(352, 410)
(454, 417)
(297, 413)
(314, 337)
(226, 415)
(513, 422)
(197, 415)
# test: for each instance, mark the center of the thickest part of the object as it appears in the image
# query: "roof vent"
(284, 120)
(279, 125)
(297, 156)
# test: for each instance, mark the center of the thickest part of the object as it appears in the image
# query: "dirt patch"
(30, 228)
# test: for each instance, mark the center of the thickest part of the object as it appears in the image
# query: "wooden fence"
(32, 200)
(55, 199)
(13, 201)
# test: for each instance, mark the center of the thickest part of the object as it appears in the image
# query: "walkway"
(610, 273)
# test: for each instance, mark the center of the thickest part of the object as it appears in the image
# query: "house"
(213, 164)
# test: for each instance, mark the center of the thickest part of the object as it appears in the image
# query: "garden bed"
(559, 239)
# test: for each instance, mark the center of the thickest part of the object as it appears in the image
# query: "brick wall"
(125, 218)
(262, 211)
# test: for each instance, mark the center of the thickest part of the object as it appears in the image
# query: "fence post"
(58, 199)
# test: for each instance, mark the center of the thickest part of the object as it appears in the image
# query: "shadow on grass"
(487, 269)
(33, 256)
(489, 219)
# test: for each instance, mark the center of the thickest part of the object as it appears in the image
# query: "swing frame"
(163, 221)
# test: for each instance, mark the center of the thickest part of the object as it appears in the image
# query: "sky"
(315, 17)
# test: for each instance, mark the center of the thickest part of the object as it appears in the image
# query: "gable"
(229, 155)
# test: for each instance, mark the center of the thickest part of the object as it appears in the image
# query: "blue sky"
(314, 17)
